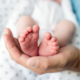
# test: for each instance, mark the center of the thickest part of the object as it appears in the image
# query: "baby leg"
(63, 32)
(28, 34)
(23, 23)
(49, 45)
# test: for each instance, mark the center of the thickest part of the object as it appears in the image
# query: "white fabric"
(47, 14)
(9, 70)
(68, 12)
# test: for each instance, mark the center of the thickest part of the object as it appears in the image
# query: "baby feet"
(29, 40)
(29, 43)
(49, 46)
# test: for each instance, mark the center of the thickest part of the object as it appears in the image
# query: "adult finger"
(46, 63)
(16, 55)
(8, 32)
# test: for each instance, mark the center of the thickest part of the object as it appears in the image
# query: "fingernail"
(32, 64)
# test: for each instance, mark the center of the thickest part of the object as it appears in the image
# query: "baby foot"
(29, 40)
(49, 46)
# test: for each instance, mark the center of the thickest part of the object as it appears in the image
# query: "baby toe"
(46, 38)
(56, 48)
(54, 44)
(21, 40)
(29, 29)
(25, 32)
(47, 35)
(23, 35)
(35, 28)
(53, 52)
(53, 39)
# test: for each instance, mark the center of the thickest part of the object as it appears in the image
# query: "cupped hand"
(66, 59)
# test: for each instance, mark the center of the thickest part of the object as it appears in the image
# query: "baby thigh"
(24, 22)
(64, 31)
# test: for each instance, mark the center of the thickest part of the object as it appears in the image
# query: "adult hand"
(66, 59)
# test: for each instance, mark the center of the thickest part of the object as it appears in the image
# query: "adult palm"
(66, 59)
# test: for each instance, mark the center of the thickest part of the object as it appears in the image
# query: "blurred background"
(7, 7)
(76, 9)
